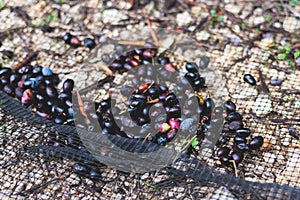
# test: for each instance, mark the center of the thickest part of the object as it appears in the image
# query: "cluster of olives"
(75, 42)
(242, 142)
(36, 87)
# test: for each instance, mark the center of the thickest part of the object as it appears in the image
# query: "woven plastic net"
(233, 38)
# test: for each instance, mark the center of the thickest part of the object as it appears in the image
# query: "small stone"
(183, 19)
(276, 81)
(204, 61)
(259, 20)
(262, 105)
(186, 124)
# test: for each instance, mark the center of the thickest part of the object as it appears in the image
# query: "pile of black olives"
(240, 135)
(36, 87)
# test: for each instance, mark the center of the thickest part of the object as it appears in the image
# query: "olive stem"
(154, 36)
(188, 143)
(234, 167)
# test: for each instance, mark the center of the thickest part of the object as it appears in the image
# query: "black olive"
(68, 85)
(191, 67)
(226, 161)
(89, 43)
(233, 116)
(171, 99)
(7, 54)
(64, 96)
(14, 79)
(104, 105)
(163, 88)
(105, 58)
(164, 60)
(256, 142)
(208, 106)
(237, 156)
(39, 97)
(229, 106)
(58, 120)
(25, 69)
(218, 111)
(51, 92)
(115, 65)
(80, 168)
(153, 91)
(67, 38)
(242, 146)
(9, 90)
(224, 151)
(190, 76)
(243, 132)
(238, 140)
(204, 61)
(19, 92)
(94, 173)
(248, 78)
(139, 96)
(46, 28)
(223, 139)
(198, 84)
(234, 125)
(37, 70)
(4, 81)
(174, 112)
(119, 48)
(5, 71)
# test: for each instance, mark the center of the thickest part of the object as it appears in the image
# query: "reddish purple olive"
(149, 53)
(248, 78)
(174, 123)
(75, 42)
(237, 156)
(256, 142)
(68, 85)
(27, 97)
(224, 151)
(229, 106)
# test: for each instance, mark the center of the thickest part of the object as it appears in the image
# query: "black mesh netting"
(44, 160)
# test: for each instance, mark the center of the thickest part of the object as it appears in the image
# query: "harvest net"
(234, 38)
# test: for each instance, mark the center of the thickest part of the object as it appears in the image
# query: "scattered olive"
(230, 106)
(89, 43)
(237, 156)
(224, 151)
(256, 142)
(248, 78)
